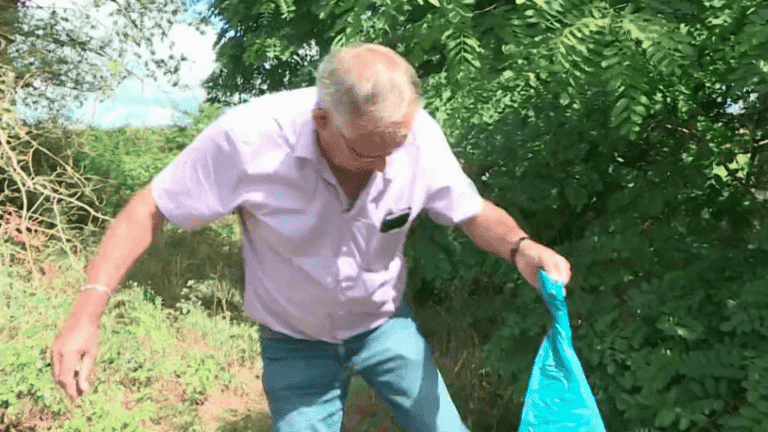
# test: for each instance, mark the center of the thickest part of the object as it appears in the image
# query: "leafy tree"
(628, 134)
(60, 52)
(79, 49)
(7, 21)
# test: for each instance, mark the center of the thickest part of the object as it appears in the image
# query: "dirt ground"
(245, 408)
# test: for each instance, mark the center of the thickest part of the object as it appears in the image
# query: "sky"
(150, 103)
(143, 102)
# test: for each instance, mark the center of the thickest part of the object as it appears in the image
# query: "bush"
(126, 159)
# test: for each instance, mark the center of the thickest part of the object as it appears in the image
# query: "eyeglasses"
(388, 136)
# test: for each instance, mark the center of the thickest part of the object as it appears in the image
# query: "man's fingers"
(67, 374)
(557, 267)
(533, 278)
(559, 271)
(565, 268)
(85, 370)
(56, 363)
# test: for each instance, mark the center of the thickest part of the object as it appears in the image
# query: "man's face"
(368, 149)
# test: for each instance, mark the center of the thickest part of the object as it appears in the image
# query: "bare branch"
(48, 195)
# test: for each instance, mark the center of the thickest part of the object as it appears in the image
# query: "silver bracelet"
(98, 288)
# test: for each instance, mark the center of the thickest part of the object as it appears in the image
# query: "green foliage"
(126, 159)
(604, 128)
(35, 383)
(129, 158)
(201, 268)
(275, 44)
(112, 417)
(44, 195)
(25, 362)
(144, 348)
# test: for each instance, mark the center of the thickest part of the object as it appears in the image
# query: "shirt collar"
(306, 142)
(395, 162)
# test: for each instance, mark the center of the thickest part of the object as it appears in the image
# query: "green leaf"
(626, 129)
(696, 388)
(665, 417)
(576, 195)
(619, 107)
(610, 61)
(728, 326)
(615, 83)
(685, 423)
(639, 109)
(620, 119)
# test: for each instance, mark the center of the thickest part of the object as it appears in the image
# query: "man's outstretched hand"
(532, 256)
(78, 342)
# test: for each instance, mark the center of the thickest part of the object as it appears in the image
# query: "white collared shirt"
(316, 266)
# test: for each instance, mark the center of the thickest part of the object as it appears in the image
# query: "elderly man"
(326, 180)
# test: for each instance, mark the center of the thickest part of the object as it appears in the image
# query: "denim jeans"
(306, 381)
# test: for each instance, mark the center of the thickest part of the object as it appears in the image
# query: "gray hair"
(378, 95)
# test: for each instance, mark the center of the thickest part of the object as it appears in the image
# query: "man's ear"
(322, 119)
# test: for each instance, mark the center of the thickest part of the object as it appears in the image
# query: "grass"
(158, 368)
(177, 352)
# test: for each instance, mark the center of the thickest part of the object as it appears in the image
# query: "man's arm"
(126, 240)
(494, 230)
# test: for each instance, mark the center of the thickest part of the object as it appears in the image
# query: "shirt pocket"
(377, 249)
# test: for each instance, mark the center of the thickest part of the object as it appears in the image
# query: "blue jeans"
(306, 381)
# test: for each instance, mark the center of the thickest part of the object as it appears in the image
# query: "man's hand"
(78, 342)
(532, 256)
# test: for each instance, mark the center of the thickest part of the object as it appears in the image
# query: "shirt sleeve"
(198, 186)
(452, 197)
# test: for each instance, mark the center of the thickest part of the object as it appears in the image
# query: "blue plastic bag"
(558, 398)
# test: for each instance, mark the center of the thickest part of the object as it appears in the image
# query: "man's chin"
(367, 167)
(376, 166)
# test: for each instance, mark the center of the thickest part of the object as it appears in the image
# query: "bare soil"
(244, 407)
